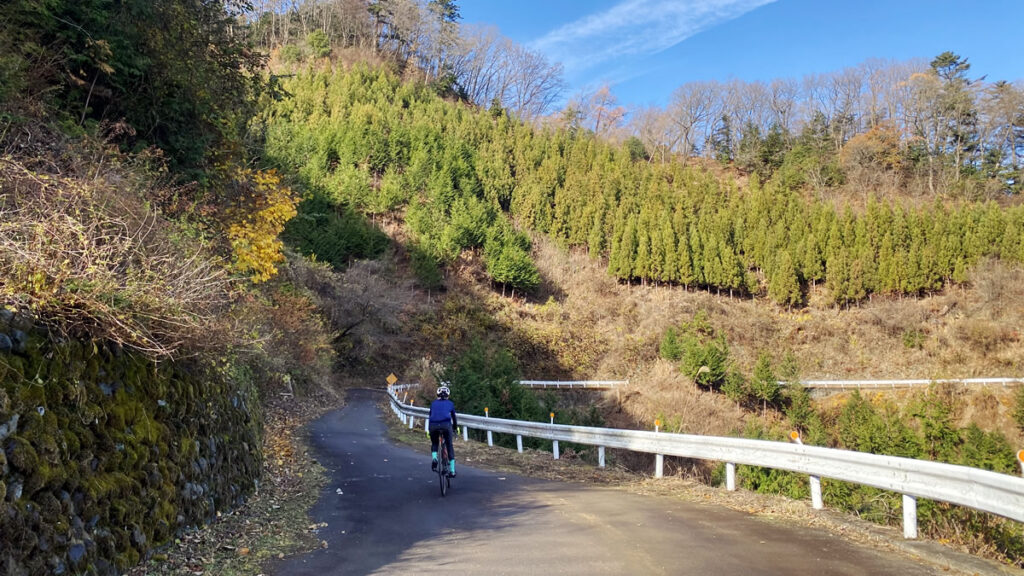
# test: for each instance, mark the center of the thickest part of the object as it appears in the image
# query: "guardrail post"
(909, 517)
(554, 443)
(730, 476)
(490, 437)
(659, 459)
(519, 443)
(816, 500)
(465, 433)
(600, 456)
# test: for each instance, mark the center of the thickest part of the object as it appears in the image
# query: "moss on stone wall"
(105, 455)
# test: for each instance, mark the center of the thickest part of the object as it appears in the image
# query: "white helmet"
(443, 391)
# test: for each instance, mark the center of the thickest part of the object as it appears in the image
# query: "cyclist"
(442, 422)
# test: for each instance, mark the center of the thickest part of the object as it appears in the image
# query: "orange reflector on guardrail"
(794, 435)
(1020, 455)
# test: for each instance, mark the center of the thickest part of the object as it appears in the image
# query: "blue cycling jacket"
(442, 412)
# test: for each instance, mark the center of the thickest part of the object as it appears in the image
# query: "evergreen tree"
(764, 385)
(784, 287)
(705, 360)
(668, 251)
(736, 387)
(670, 348)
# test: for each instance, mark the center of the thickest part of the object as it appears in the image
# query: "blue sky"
(645, 49)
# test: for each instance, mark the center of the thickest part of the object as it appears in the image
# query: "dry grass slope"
(597, 328)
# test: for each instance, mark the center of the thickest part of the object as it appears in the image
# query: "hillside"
(527, 252)
(201, 247)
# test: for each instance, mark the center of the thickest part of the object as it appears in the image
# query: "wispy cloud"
(635, 28)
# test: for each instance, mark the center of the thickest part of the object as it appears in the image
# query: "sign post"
(816, 499)
(490, 437)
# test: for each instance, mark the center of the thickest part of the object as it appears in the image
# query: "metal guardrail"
(983, 490)
(585, 384)
(818, 384)
(858, 384)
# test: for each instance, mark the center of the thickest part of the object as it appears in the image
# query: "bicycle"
(444, 473)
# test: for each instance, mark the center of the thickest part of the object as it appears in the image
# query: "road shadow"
(382, 501)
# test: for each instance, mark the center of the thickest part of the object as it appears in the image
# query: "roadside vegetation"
(303, 194)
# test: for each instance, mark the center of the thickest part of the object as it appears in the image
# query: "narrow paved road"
(386, 515)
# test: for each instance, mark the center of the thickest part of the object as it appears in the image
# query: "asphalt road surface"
(385, 515)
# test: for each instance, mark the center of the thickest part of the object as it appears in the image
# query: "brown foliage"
(94, 260)
(873, 160)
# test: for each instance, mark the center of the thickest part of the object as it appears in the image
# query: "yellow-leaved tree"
(257, 220)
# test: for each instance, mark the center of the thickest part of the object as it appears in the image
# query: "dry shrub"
(293, 346)
(95, 261)
(423, 371)
(369, 308)
(893, 317)
(995, 282)
(663, 393)
(982, 336)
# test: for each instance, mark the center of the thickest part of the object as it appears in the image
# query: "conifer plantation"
(363, 139)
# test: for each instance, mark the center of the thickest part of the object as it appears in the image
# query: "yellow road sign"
(392, 379)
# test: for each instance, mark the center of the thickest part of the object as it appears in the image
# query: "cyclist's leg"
(450, 447)
(435, 435)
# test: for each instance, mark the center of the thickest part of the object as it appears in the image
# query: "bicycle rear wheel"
(442, 472)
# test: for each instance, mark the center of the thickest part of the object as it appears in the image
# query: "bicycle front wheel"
(442, 475)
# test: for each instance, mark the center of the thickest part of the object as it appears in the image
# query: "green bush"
(803, 416)
(670, 348)
(507, 256)
(1018, 407)
(290, 53)
(486, 376)
(319, 43)
(425, 267)
(771, 480)
(333, 233)
(864, 429)
(736, 387)
(706, 361)
(913, 339)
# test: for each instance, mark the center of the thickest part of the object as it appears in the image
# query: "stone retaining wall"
(105, 455)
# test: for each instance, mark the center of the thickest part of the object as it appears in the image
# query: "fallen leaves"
(274, 522)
